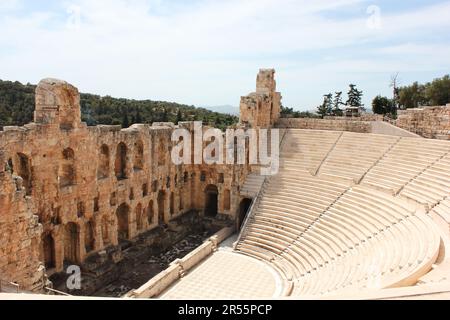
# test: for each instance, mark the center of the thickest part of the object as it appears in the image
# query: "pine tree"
(125, 121)
(179, 116)
(354, 97)
(337, 102)
(325, 108)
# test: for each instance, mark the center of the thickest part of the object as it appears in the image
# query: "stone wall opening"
(122, 214)
(103, 163)
(244, 207)
(138, 163)
(161, 207)
(67, 168)
(172, 203)
(89, 238)
(49, 252)
(24, 171)
(71, 244)
(120, 167)
(150, 213)
(105, 231)
(139, 217)
(226, 200)
(211, 199)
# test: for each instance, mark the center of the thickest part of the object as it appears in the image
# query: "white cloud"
(207, 52)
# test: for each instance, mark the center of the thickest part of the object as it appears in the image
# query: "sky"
(208, 52)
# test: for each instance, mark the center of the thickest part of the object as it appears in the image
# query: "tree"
(328, 99)
(179, 116)
(326, 107)
(437, 93)
(337, 102)
(125, 121)
(383, 105)
(354, 97)
(412, 96)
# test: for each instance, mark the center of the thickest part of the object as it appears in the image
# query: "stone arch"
(211, 200)
(138, 163)
(226, 199)
(123, 213)
(150, 213)
(89, 236)
(105, 231)
(244, 207)
(71, 243)
(120, 167)
(161, 206)
(67, 168)
(24, 171)
(48, 244)
(103, 162)
(139, 217)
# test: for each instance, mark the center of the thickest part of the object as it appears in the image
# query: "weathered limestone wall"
(429, 122)
(261, 109)
(325, 124)
(21, 234)
(92, 186)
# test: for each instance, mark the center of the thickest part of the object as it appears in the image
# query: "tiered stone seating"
(432, 186)
(304, 150)
(252, 185)
(327, 236)
(443, 209)
(354, 154)
(405, 162)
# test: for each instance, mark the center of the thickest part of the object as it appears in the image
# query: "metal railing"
(255, 202)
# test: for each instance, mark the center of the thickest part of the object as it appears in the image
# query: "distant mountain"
(226, 109)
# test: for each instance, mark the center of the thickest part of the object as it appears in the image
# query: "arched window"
(103, 163)
(138, 163)
(67, 168)
(24, 171)
(161, 207)
(121, 161)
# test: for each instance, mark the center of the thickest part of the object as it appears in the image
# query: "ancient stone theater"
(358, 209)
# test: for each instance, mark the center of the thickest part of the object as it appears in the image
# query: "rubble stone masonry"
(428, 122)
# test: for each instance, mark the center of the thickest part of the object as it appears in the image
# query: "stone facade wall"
(88, 188)
(325, 124)
(428, 122)
(261, 109)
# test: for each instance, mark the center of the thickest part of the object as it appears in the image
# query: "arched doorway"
(161, 209)
(138, 163)
(120, 166)
(244, 207)
(71, 243)
(122, 221)
(211, 197)
(49, 251)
